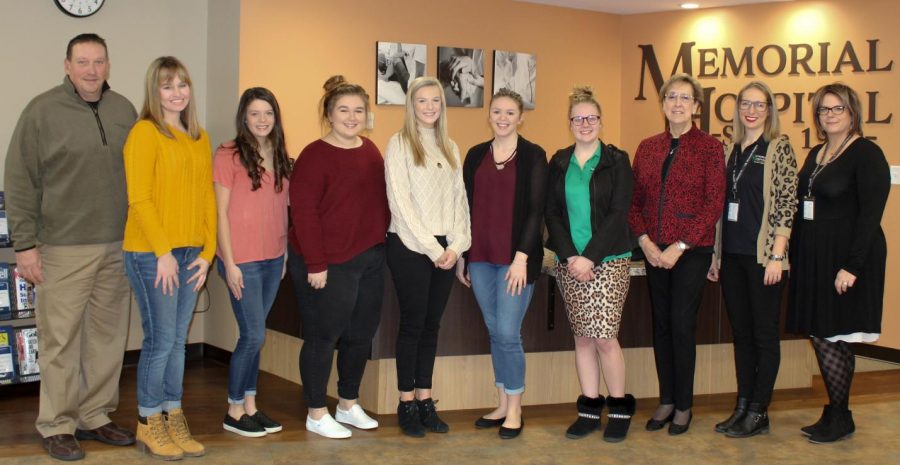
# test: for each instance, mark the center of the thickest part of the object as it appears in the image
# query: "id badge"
(733, 211)
(809, 208)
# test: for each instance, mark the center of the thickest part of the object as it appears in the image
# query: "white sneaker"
(326, 426)
(356, 416)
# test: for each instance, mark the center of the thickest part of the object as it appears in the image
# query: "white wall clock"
(79, 8)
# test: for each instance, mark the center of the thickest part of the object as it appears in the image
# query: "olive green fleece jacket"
(65, 175)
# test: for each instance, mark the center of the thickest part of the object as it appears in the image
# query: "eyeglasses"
(759, 106)
(683, 98)
(835, 110)
(589, 119)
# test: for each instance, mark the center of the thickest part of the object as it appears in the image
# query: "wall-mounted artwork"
(397, 64)
(461, 72)
(516, 71)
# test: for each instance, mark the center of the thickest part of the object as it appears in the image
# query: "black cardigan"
(611, 187)
(528, 211)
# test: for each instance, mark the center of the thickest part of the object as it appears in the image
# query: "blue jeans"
(503, 315)
(261, 281)
(165, 320)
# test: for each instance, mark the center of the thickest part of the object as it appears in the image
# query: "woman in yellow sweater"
(170, 240)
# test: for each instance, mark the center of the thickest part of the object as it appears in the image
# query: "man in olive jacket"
(66, 203)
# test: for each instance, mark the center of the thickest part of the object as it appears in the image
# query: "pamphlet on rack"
(27, 354)
(7, 355)
(5, 308)
(24, 297)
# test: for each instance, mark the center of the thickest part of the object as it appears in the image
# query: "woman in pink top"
(251, 182)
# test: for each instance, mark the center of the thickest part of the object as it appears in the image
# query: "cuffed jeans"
(261, 281)
(344, 315)
(753, 310)
(675, 297)
(422, 291)
(503, 314)
(165, 320)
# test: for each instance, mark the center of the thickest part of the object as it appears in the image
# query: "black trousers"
(675, 296)
(753, 309)
(343, 315)
(422, 292)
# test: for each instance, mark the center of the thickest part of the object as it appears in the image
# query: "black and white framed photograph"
(397, 64)
(516, 71)
(461, 72)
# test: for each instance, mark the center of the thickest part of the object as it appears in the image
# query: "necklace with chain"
(502, 164)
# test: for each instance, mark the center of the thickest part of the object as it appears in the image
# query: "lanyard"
(736, 175)
(820, 166)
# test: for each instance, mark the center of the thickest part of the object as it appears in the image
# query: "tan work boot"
(177, 426)
(152, 438)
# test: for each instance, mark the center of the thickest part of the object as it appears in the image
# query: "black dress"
(850, 196)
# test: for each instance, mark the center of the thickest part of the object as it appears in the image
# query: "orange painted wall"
(292, 47)
(781, 24)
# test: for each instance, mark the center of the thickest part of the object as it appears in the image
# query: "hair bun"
(334, 82)
(582, 92)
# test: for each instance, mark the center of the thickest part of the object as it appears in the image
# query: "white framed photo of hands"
(397, 64)
(516, 71)
(461, 73)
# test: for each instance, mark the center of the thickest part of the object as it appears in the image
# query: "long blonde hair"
(163, 70)
(409, 133)
(771, 129)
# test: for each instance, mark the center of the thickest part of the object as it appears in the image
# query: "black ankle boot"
(838, 425)
(740, 409)
(809, 430)
(755, 421)
(621, 409)
(430, 419)
(588, 417)
(408, 419)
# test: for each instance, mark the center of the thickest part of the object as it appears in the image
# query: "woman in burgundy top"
(340, 217)
(679, 193)
(506, 180)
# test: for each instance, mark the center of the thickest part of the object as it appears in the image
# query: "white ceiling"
(630, 7)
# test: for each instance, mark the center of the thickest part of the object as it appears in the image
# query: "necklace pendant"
(501, 166)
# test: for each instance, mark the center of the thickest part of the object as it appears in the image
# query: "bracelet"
(776, 258)
(682, 245)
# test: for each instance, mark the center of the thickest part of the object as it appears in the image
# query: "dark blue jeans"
(261, 281)
(165, 320)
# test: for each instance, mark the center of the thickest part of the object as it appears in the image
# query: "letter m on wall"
(650, 64)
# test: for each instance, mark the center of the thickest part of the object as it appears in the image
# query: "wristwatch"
(776, 258)
(682, 246)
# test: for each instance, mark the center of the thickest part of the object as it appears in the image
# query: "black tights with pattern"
(836, 362)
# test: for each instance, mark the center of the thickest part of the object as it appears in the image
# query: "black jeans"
(753, 309)
(422, 291)
(343, 315)
(675, 296)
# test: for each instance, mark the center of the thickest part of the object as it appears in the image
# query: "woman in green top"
(589, 194)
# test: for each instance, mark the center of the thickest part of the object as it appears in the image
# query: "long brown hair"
(161, 71)
(248, 148)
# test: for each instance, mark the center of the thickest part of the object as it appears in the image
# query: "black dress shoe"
(675, 429)
(655, 425)
(510, 433)
(483, 422)
(740, 409)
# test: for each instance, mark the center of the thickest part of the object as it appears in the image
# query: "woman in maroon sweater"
(340, 217)
(679, 191)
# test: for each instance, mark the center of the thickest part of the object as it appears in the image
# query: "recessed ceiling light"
(690, 6)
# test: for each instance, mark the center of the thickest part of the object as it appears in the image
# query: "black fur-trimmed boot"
(740, 409)
(588, 421)
(621, 409)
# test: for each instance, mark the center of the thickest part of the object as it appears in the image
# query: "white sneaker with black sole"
(326, 426)
(356, 417)
(245, 426)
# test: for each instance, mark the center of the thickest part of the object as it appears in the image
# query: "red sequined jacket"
(690, 202)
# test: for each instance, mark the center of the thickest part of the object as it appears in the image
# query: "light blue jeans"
(165, 320)
(503, 315)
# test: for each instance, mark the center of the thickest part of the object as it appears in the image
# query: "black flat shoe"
(510, 433)
(655, 425)
(675, 429)
(483, 422)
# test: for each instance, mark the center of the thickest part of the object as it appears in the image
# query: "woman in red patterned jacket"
(679, 191)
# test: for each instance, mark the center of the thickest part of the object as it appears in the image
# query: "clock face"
(79, 8)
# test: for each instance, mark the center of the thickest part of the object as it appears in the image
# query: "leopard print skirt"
(595, 307)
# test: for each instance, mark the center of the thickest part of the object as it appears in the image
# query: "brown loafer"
(109, 433)
(63, 447)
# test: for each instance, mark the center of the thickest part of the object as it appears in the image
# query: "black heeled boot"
(408, 419)
(755, 421)
(740, 409)
(430, 418)
(838, 425)
(588, 417)
(809, 430)
(621, 409)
